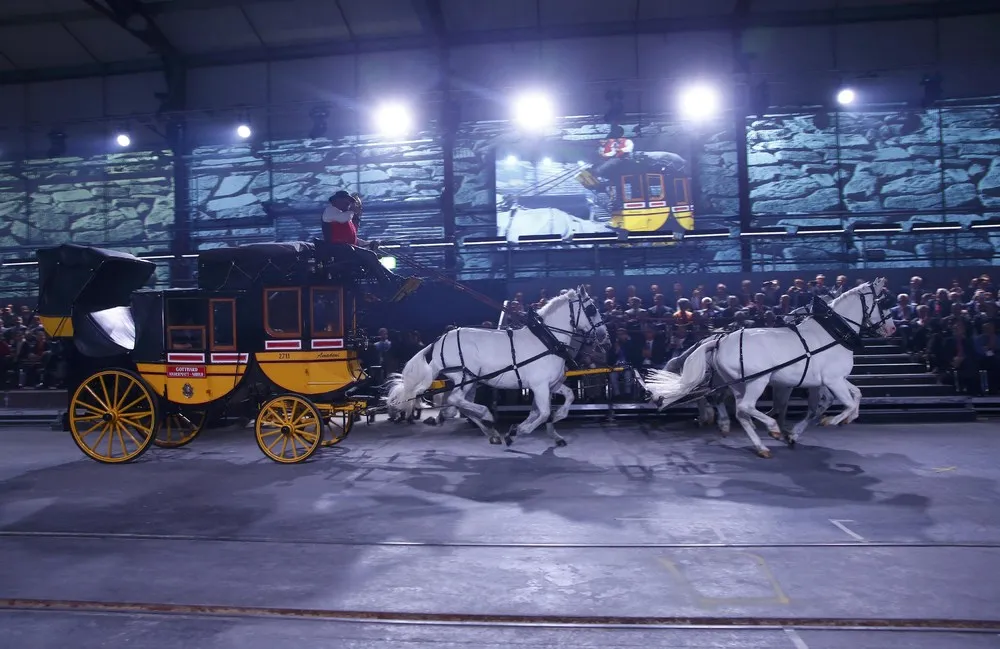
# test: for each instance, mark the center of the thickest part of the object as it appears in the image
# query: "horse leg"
(747, 395)
(560, 413)
(781, 395)
(705, 413)
(541, 411)
(477, 414)
(856, 395)
(819, 401)
(851, 399)
(722, 416)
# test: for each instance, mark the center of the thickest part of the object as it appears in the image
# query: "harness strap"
(808, 356)
(742, 368)
(513, 358)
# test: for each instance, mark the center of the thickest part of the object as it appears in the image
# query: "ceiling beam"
(150, 9)
(844, 15)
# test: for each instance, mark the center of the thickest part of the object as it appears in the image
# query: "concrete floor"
(863, 522)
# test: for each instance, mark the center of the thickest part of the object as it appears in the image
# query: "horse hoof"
(560, 442)
(774, 434)
(495, 440)
(764, 453)
(825, 421)
(508, 440)
(791, 443)
(512, 432)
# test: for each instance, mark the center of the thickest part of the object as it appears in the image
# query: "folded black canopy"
(81, 278)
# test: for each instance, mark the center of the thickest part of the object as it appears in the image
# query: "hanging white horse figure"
(506, 359)
(807, 356)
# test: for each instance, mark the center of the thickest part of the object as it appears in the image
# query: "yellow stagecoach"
(269, 334)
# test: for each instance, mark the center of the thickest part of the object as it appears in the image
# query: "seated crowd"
(27, 356)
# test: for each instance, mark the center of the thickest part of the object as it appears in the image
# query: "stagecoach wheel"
(339, 424)
(113, 416)
(179, 428)
(289, 428)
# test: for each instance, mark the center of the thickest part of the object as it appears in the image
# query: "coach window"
(223, 324)
(654, 184)
(327, 312)
(682, 191)
(631, 190)
(283, 312)
(185, 324)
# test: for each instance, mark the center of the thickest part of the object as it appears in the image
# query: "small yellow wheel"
(289, 428)
(339, 423)
(179, 428)
(113, 416)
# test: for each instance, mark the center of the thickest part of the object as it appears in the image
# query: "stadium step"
(32, 399)
(889, 368)
(902, 391)
(895, 379)
(871, 359)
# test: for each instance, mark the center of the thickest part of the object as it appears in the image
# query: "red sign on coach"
(186, 371)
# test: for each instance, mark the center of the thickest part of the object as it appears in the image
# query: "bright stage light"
(123, 140)
(393, 120)
(388, 262)
(243, 131)
(534, 111)
(547, 162)
(699, 102)
(846, 96)
(511, 160)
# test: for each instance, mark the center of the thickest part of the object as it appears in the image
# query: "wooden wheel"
(179, 428)
(113, 416)
(289, 428)
(339, 423)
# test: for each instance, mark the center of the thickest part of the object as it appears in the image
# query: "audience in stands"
(27, 357)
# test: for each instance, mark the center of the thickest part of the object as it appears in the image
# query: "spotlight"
(388, 262)
(511, 160)
(123, 140)
(546, 162)
(846, 96)
(699, 102)
(243, 131)
(393, 120)
(534, 111)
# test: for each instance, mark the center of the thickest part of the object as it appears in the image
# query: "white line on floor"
(843, 528)
(796, 639)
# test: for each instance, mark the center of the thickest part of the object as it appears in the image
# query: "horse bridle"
(867, 324)
(588, 310)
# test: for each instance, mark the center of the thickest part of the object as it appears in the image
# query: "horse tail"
(667, 387)
(403, 389)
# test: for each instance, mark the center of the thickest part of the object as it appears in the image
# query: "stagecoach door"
(326, 316)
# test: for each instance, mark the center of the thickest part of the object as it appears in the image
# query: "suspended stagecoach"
(269, 334)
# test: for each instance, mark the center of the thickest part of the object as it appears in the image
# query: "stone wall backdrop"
(710, 152)
(278, 190)
(123, 201)
(913, 166)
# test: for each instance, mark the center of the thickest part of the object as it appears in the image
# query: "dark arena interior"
(442, 323)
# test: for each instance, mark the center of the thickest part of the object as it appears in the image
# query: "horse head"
(589, 319)
(867, 307)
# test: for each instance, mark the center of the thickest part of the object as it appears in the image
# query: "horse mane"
(854, 291)
(556, 302)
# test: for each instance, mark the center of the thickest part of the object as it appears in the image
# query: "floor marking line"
(193, 538)
(55, 605)
(796, 639)
(843, 528)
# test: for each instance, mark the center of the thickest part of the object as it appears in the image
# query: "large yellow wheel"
(289, 428)
(339, 423)
(179, 428)
(113, 416)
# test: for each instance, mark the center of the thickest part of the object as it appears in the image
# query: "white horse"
(808, 356)
(505, 359)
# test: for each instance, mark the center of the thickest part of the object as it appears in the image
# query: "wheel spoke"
(121, 438)
(284, 445)
(275, 442)
(114, 399)
(103, 405)
(134, 439)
